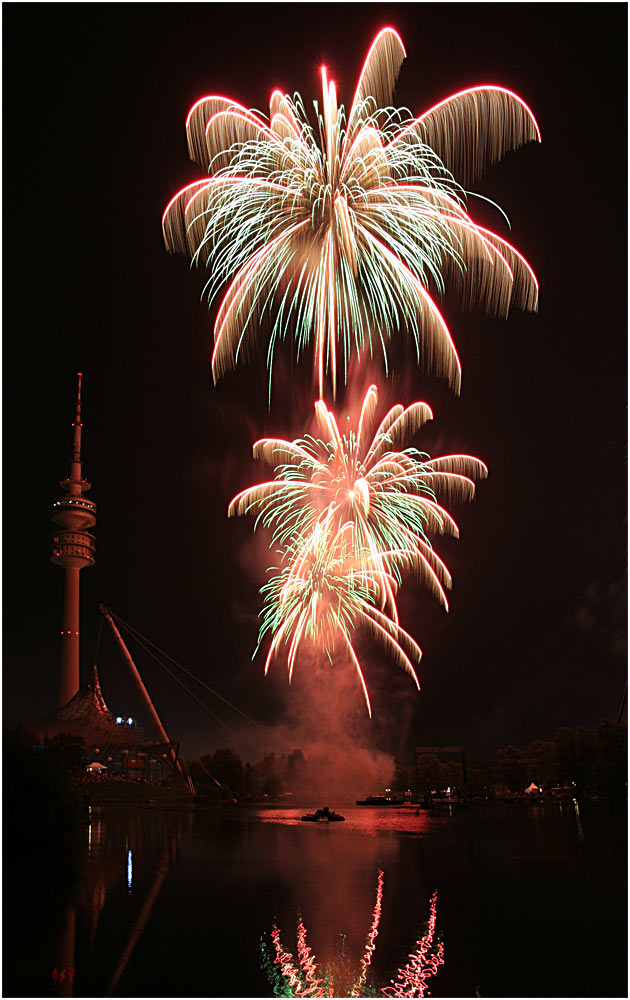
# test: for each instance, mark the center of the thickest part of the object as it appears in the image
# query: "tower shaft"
(73, 549)
(69, 684)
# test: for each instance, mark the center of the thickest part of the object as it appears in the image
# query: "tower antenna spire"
(77, 428)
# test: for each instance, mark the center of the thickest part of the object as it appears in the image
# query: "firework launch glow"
(302, 977)
(341, 230)
(349, 514)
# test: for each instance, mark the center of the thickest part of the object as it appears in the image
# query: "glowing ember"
(336, 232)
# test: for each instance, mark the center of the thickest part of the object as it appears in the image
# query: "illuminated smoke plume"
(336, 231)
(302, 977)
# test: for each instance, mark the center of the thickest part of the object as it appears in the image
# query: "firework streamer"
(320, 597)
(350, 514)
(342, 231)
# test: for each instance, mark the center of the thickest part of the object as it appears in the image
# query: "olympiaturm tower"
(73, 548)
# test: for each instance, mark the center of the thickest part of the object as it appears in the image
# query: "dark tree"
(542, 762)
(431, 773)
(610, 769)
(575, 751)
(512, 769)
(227, 767)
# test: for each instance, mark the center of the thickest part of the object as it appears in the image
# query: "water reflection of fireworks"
(303, 977)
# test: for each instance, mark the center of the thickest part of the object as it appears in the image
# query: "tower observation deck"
(73, 548)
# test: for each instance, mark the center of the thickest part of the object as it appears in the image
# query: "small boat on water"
(324, 815)
(380, 800)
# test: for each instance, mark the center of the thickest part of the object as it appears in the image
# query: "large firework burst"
(339, 228)
(386, 496)
(350, 513)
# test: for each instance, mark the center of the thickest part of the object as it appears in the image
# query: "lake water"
(530, 901)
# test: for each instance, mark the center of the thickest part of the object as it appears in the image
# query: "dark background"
(95, 100)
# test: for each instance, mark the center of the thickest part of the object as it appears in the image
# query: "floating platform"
(324, 815)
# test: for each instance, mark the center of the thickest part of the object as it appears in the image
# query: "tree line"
(223, 774)
(590, 761)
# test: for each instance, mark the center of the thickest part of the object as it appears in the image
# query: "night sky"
(95, 101)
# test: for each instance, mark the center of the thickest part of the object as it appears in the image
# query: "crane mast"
(144, 694)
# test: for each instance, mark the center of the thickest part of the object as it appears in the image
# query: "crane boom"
(144, 694)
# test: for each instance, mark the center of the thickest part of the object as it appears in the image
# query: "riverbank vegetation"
(582, 761)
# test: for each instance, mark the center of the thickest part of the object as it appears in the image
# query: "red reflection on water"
(60, 975)
(302, 977)
(423, 963)
(369, 947)
(405, 819)
(284, 959)
(306, 957)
